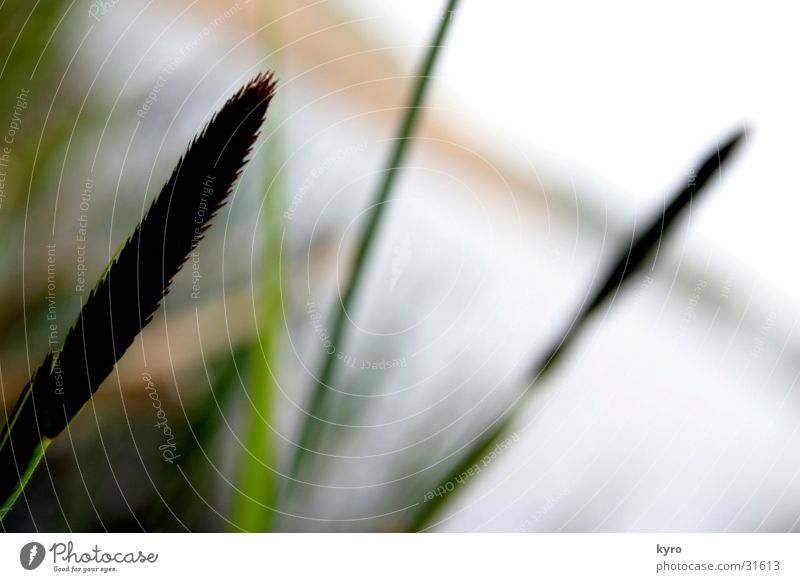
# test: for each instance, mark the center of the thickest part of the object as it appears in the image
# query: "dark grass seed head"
(126, 298)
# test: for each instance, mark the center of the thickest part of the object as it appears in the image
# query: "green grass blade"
(321, 392)
(252, 507)
(643, 245)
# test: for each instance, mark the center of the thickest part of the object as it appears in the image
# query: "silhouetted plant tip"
(133, 286)
(643, 245)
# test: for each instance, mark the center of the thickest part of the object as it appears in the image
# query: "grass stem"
(643, 245)
(320, 394)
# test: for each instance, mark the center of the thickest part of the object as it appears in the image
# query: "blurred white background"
(550, 132)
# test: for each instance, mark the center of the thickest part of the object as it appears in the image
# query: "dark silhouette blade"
(126, 298)
(642, 246)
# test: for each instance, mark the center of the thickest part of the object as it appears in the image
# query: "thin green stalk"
(320, 392)
(643, 245)
(252, 506)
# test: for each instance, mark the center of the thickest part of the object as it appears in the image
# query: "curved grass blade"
(643, 245)
(321, 392)
(133, 285)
